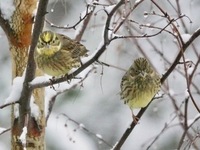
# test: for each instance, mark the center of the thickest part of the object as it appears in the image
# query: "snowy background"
(97, 105)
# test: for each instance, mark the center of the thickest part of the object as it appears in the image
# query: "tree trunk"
(21, 28)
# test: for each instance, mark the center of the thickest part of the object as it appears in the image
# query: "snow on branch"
(16, 90)
(101, 48)
(52, 93)
(22, 137)
(7, 8)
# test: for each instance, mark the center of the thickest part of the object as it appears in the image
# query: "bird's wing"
(74, 47)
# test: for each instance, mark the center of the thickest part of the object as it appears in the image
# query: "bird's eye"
(42, 43)
(136, 71)
(53, 41)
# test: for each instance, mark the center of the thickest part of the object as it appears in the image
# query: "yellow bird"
(139, 84)
(57, 54)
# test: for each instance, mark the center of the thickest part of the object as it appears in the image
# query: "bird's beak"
(143, 74)
(47, 46)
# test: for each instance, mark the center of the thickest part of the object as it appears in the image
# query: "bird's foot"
(52, 81)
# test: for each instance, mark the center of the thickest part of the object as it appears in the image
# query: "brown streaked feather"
(138, 89)
(77, 49)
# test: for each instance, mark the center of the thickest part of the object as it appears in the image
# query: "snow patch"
(7, 8)
(35, 111)
(16, 90)
(23, 137)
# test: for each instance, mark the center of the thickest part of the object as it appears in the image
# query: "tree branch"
(30, 70)
(52, 99)
(88, 12)
(6, 27)
(106, 41)
(164, 77)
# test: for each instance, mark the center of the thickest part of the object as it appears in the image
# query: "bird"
(56, 54)
(139, 85)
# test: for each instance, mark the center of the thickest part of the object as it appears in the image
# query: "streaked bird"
(139, 85)
(57, 54)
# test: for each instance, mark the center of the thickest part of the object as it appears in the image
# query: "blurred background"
(96, 105)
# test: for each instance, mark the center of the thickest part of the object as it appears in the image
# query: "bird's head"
(48, 43)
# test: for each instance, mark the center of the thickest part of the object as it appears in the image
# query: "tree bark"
(19, 39)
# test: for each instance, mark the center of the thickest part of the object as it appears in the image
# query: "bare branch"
(6, 130)
(81, 126)
(85, 23)
(53, 98)
(100, 51)
(8, 104)
(6, 27)
(186, 131)
(30, 71)
(164, 77)
(125, 17)
(89, 11)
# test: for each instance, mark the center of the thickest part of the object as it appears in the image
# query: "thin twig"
(81, 126)
(100, 51)
(85, 23)
(164, 77)
(53, 98)
(8, 104)
(6, 130)
(185, 132)
(73, 26)
(6, 27)
(127, 15)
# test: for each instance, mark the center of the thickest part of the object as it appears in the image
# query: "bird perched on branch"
(139, 85)
(57, 54)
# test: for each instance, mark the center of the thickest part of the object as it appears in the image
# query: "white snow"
(112, 35)
(95, 2)
(52, 10)
(148, 24)
(188, 60)
(171, 92)
(16, 110)
(137, 1)
(39, 79)
(15, 93)
(145, 14)
(81, 125)
(35, 10)
(99, 136)
(115, 145)
(62, 87)
(7, 8)
(23, 137)
(186, 93)
(49, 94)
(16, 90)
(35, 111)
